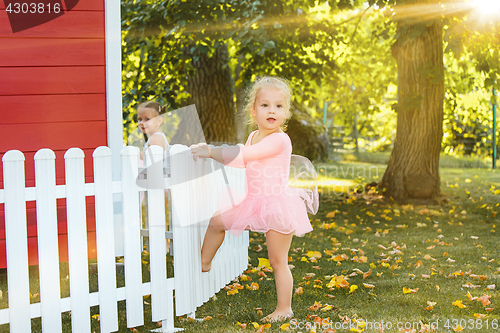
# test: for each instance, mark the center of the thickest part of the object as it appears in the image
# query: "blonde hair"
(155, 106)
(272, 82)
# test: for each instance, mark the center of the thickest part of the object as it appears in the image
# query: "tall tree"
(413, 169)
(211, 91)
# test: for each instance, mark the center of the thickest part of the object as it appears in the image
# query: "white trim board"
(114, 83)
(114, 105)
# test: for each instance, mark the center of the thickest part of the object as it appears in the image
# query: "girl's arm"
(238, 157)
(202, 150)
(157, 140)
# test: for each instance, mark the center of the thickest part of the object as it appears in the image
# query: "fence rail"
(192, 203)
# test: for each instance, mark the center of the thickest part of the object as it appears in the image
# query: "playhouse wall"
(53, 95)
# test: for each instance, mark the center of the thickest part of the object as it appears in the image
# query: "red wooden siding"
(54, 136)
(86, 5)
(53, 108)
(74, 24)
(52, 52)
(53, 95)
(52, 80)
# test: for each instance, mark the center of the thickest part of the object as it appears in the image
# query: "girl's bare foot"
(278, 316)
(206, 268)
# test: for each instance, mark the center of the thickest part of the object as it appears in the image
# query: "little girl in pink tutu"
(270, 205)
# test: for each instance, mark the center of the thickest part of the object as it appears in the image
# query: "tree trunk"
(241, 116)
(413, 169)
(211, 90)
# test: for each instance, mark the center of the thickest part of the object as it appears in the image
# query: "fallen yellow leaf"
(338, 281)
(469, 296)
(285, 327)
(315, 306)
(408, 290)
(338, 258)
(459, 304)
(314, 254)
(253, 286)
(245, 278)
(326, 308)
(264, 262)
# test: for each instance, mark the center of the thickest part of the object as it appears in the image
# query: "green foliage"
(337, 52)
(277, 38)
(467, 108)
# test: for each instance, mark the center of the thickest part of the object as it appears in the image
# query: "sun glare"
(490, 7)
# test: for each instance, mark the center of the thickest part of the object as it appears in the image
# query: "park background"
(393, 101)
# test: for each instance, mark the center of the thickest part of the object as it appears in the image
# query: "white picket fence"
(192, 203)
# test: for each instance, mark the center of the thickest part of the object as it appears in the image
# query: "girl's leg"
(212, 241)
(277, 247)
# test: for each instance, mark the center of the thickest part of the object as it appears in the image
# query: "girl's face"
(148, 119)
(269, 109)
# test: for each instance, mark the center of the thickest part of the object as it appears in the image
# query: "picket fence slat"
(105, 244)
(216, 275)
(132, 237)
(157, 242)
(208, 204)
(48, 250)
(16, 235)
(182, 220)
(77, 240)
(180, 212)
(194, 190)
(30, 192)
(193, 251)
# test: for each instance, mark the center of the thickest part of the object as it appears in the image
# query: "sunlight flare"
(489, 7)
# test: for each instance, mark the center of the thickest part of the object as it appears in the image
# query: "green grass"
(463, 229)
(445, 161)
(441, 232)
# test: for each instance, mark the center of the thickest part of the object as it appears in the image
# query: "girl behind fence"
(149, 119)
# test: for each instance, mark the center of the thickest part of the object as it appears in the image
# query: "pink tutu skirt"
(284, 213)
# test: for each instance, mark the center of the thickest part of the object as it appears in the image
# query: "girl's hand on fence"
(200, 150)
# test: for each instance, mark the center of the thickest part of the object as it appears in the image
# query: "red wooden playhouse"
(60, 87)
